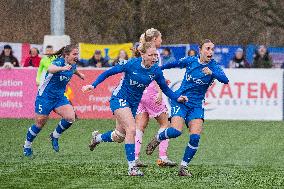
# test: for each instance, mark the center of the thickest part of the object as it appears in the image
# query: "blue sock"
(106, 137)
(130, 152)
(169, 133)
(61, 127)
(191, 149)
(31, 134)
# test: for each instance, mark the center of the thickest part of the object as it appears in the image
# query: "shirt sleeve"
(120, 67)
(219, 74)
(57, 62)
(181, 63)
(160, 79)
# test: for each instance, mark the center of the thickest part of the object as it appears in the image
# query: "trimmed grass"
(232, 154)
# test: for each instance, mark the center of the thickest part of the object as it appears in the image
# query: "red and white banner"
(252, 94)
(94, 104)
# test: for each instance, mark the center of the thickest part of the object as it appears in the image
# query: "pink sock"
(163, 147)
(138, 142)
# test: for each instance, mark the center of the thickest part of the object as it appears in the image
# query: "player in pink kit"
(152, 105)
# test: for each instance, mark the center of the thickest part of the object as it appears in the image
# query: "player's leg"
(163, 160)
(141, 121)
(125, 117)
(178, 113)
(66, 111)
(42, 110)
(117, 135)
(195, 129)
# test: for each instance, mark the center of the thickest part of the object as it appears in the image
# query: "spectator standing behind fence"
(239, 60)
(262, 59)
(167, 56)
(121, 57)
(7, 59)
(34, 59)
(97, 60)
(191, 53)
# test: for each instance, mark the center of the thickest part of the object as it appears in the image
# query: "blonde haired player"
(138, 74)
(152, 105)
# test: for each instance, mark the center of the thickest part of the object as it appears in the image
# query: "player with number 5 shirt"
(51, 97)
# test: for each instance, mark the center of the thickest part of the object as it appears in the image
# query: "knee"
(117, 136)
(130, 130)
(40, 122)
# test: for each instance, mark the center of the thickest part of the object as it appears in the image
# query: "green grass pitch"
(232, 154)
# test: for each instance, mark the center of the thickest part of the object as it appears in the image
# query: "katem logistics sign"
(252, 94)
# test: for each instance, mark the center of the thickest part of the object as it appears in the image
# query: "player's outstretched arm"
(181, 63)
(220, 75)
(79, 74)
(160, 79)
(53, 68)
(114, 70)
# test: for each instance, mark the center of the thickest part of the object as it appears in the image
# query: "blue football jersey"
(136, 78)
(54, 85)
(195, 83)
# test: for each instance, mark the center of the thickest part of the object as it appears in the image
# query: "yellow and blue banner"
(87, 50)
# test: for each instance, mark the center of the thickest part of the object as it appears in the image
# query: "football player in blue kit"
(200, 73)
(138, 74)
(50, 97)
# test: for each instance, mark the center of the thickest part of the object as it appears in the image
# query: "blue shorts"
(116, 103)
(187, 113)
(44, 106)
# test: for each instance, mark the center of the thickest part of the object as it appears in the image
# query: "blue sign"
(178, 51)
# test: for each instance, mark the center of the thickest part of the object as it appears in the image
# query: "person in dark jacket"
(262, 58)
(8, 57)
(239, 60)
(97, 60)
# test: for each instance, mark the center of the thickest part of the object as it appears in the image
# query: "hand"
(67, 67)
(99, 65)
(207, 71)
(168, 81)
(82, 76)
(182, 99)
(159, 99)
(87, 88)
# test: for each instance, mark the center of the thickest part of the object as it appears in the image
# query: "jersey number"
(122, 102)
(175, 109)
(39, 108)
